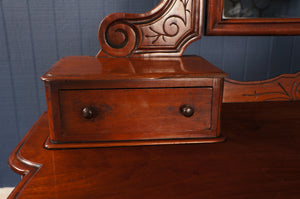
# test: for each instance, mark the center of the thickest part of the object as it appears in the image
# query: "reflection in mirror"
(261, 9)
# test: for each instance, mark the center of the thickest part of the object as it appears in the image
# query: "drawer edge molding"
(125, 143)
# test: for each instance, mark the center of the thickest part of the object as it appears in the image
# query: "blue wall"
(34, 34)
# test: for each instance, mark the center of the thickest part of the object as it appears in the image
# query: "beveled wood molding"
(285, 87)
(164, 31)
(77, 145)
(216, 25)
(22, 166)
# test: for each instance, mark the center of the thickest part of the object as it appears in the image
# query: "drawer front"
(131, 114)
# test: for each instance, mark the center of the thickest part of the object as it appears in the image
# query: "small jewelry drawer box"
(133, 101)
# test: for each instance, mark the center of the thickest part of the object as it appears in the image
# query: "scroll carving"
(164, 31)
(170, 26)
(285, 87)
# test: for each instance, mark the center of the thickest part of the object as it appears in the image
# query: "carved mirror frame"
(217, 25)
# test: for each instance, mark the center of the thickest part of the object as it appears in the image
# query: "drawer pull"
(88, 112)
(187, 110)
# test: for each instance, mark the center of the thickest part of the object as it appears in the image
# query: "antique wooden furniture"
(219, 25)
(139, 91)
(133, 101)
(131, 93)
(260, 159)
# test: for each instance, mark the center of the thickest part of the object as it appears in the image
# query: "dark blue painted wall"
(34, 34)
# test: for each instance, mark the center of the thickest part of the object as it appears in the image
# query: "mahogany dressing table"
(260, 159)
(105, 111)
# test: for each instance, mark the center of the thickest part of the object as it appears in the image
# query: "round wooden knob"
(187, 110)
(88, 112)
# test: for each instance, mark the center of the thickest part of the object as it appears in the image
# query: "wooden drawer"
(134, 114)
(132, 101)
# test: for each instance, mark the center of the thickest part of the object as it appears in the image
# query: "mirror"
(253, 17)
(261, 9)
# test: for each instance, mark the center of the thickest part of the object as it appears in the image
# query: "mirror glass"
(261, 9)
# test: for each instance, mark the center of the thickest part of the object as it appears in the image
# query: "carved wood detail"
(285, 87)
(164, 31)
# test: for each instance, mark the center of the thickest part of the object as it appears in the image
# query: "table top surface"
(260, 159)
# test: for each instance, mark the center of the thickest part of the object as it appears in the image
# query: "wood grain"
(285, 87)
(259, 160)
(134, 114)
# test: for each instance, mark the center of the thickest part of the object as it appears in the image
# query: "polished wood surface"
(285, 87)
(79, 68)
(123, 114)
(164, 31)
(260, 159)
(216, 25)
(126, 99)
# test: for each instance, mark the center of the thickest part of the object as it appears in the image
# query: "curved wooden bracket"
(285, 87)
(164, 31)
